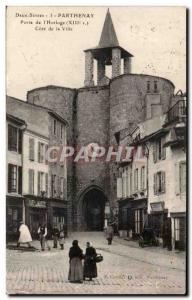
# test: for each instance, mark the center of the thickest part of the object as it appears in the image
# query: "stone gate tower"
(96, 113)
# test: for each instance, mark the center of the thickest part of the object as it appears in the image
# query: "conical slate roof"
(108, 41)
(108, 35)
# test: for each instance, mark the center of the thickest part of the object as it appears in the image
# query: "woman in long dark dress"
(75, 261)
(90, 267)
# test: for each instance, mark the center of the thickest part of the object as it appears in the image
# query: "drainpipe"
(147, 155)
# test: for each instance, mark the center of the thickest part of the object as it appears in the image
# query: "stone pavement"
(125, 270)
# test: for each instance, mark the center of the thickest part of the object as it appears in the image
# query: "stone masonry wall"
(92, 125)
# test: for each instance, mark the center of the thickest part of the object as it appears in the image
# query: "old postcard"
(96, 117)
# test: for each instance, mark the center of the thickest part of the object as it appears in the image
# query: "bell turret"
(107, 53)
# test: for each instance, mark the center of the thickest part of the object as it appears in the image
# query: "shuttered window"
(142, 178)
(41, 152)
(119, 188)
(183, 177)
(12, 138)
(62, 187)
(61, 132)
(177, 229)
(31, 182)
(138, 221)
(12, 178)
(20, 180)
(177, 178)
(46, 185)
(31, 149)
(159, 183)
(131, 184)
(53, 184)
(154, 152)
(40, 187)
(163, 149)
(20, 141)
(159, 151)
(124, 182)
(54, 127)
(136, 180)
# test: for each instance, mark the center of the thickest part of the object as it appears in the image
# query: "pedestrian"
(75, 261)
(25, 235)
(55, 236)
(61, 238)
(109, 234)
(42, 232)
(90, 268)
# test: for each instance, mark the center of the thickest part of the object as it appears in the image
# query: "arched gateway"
(93, 206)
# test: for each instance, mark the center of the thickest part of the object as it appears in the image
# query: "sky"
(156, 36)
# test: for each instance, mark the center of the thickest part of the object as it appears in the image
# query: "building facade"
(43, 187)
(164, 160)
(15, 128)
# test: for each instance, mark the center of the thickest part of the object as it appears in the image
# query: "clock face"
(92, 149)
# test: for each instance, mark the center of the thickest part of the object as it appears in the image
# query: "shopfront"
(159, 221)
(36, 214)
(139, 213)
(14, 215)
(178, 231)
(132, 216)
(58, 214)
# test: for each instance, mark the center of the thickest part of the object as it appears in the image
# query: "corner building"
(95, 114)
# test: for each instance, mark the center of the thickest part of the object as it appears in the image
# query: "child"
(61, 238)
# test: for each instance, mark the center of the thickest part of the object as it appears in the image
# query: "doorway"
(93, 210)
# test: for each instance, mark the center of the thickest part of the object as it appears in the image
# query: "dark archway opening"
(93, 209)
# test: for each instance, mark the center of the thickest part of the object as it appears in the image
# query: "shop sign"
(34, 203)
(159, 206)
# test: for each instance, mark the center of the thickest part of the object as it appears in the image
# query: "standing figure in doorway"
(42, 232)
(109, 234)
(90, 268)
(75, 261)
(25, 236)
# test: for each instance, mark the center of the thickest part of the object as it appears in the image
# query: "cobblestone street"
(125, 270)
